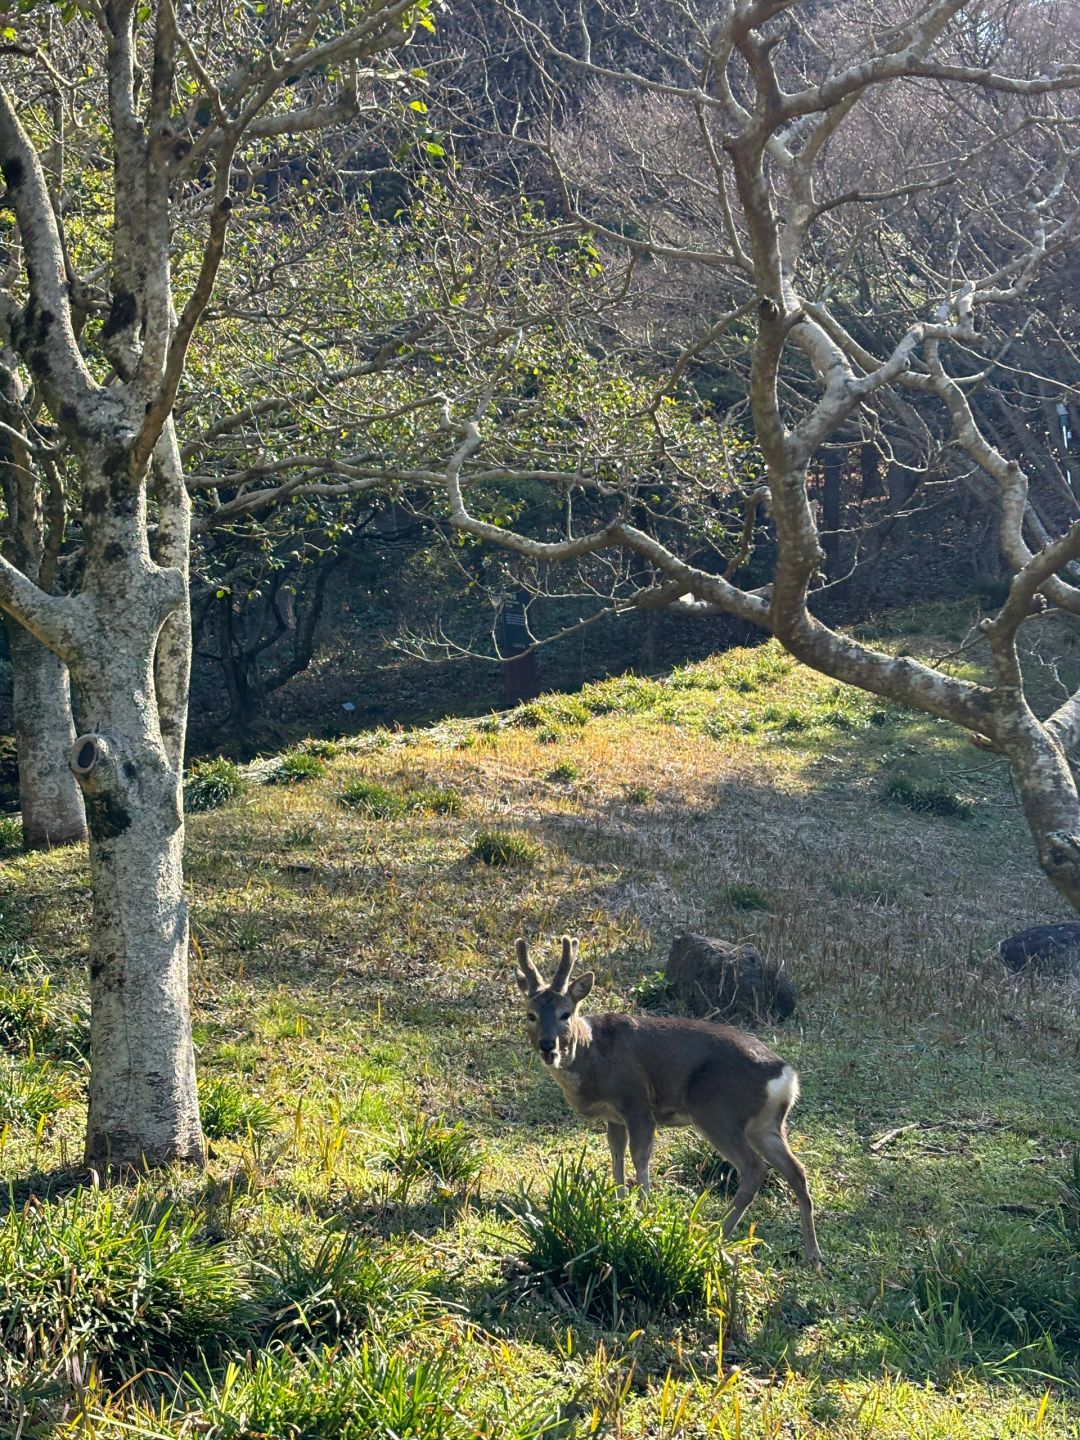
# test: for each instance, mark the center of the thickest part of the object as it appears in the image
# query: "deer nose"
(547, 1047)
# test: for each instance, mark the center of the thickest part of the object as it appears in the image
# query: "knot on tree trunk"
(1061, 856)
(106, 784)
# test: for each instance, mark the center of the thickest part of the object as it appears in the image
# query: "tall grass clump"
(11, 836)
(503, 847)
(209, 784)
(228, 1112)
(99, 1278)
(426, 1148)
(622, 1262)
(28, 1011)
(339, 1287)
(295, 767)
(32, 1090)
(371, 798)
(928, 799)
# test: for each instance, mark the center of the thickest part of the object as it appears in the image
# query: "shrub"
(375, 800)
(104, 1279)
(11, 836)
(427, 1148)
(295, 767)
(228, 1112)
(341, 1287)
(928, 799)
(209, 784)
(503, 847)
(620, 1261)
(32, 1090)
(740, 896)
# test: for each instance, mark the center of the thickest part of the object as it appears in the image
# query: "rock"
(1047, 949)
(727, 982)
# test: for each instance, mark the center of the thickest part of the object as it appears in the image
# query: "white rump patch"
(783, 1088)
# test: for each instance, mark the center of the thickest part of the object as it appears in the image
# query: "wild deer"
(638, 1072)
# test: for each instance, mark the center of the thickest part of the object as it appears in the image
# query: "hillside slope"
(376, 1114)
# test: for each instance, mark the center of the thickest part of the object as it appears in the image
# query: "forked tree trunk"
(49, 794)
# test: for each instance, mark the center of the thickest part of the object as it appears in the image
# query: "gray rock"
(1047, 949)
(727, 982)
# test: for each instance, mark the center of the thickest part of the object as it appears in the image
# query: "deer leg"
(616, 1139)
(773, 1145)
(642, 1129)
(752, 1171)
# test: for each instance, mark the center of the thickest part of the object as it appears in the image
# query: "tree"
(102, 351)
(765, 152)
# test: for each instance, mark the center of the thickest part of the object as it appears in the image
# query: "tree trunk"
(143, 1107)
(52, 807)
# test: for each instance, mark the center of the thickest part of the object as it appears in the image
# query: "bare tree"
(184, 101)
(740, 156)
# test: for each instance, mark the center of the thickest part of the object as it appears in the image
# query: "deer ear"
(580, 987)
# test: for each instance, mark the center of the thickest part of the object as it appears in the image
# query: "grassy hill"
(378, 1246)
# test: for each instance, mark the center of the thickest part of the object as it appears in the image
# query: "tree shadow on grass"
(44, 1185)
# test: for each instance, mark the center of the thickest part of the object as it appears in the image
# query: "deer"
(639, 1072)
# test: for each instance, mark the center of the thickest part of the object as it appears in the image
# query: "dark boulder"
(727, 982)
(1048, 949)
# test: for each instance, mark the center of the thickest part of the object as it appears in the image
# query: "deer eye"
(532, 1015)
(565, 1016)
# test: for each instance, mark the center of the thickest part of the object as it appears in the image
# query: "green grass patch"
(11, 835)
(928, 799)
(744, 895)
(296, 767)
(33, 1090)
(503, 847)
(622, 1261)
(229, 1112)
(426, 1148)
(377, 801)
(209, 784)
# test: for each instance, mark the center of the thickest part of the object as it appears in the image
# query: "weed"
(209, 784)
(928, 799)
(295, 767)
(696, 1165)
(746, 896)
(618, 1260)
(229, 1112)
(11, 836)
(651, 991)
(375, 800)
(324, 749)
(553, 711)
(27, 1012)
(503, 847)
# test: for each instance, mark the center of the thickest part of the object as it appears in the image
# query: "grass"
(354, 983)
(11, 836)
(209, 784)
(624, 1263)
(931, 799)
(502, 848)
(296, 767)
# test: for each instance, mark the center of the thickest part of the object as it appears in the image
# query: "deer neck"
(581, 1039)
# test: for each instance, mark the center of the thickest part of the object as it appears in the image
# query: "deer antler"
(566, 964)
(528, 975)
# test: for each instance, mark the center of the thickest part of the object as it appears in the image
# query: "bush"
(295, 767)
(209, 784)
(503, 847)
(375, 800)
(228, 1112)
(429, 1149)
(340, 1288)
(620, 1261)
(928, 799)
(99, 1278)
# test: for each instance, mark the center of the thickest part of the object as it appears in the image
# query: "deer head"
(552, 1010)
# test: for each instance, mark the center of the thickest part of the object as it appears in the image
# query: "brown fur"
(640, 1072)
